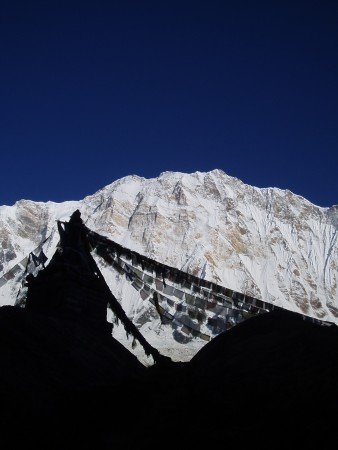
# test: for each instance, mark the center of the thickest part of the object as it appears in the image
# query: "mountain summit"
(264, 242)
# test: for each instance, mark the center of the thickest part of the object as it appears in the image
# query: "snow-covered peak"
(265, 242)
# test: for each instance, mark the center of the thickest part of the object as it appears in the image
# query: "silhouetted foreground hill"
(274, 376)
(271, 380)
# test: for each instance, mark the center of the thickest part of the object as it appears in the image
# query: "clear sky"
(91, 91)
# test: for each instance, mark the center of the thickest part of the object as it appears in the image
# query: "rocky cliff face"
(267, 243)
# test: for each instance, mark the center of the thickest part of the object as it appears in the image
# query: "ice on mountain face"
(267, 243)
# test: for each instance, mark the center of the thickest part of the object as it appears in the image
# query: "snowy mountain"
(267, 243)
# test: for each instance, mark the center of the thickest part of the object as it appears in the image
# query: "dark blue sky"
(93, 91)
